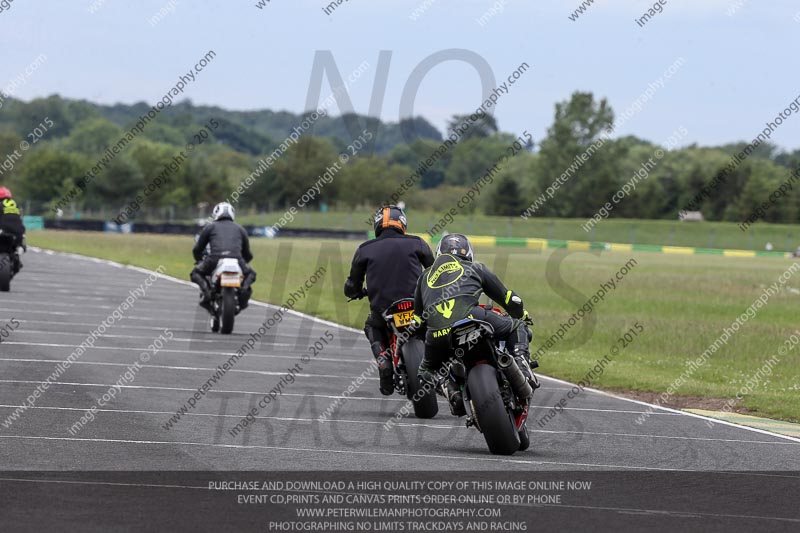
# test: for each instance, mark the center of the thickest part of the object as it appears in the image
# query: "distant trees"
(369, 181)
(577, 149)
(46, 174)
(301, 167)
(485, 126)
(575, 142)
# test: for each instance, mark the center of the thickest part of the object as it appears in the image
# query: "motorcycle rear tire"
(524, 438)
(493, 419)
(425, 406)
(227, 310)
(6, 272)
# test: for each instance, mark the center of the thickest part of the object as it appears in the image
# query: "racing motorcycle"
(406, 358)
(9, 260)
(496, 393)
(225, 283)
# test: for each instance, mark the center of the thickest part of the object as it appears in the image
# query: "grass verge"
(682, 303)
(783, 237)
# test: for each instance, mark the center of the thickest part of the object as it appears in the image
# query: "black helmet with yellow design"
(457, 245)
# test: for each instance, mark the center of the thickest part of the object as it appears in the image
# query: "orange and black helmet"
(389, 216)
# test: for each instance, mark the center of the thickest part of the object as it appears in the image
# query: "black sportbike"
(9, 260)
(496, 393)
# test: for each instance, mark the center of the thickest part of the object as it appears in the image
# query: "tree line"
(577, 153)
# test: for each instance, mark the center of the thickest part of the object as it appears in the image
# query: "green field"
(660, 232)
(683, 303)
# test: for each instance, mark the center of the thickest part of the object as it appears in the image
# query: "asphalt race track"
(58, 299)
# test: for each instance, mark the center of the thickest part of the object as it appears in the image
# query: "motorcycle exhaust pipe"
(520, 386)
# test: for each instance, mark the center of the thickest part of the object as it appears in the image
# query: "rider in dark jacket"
(449, 291)
(11, 223)
(391, 264)
(225, 239)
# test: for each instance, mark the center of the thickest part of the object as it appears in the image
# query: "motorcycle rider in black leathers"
(226, 239)
(11, 223)
(449, 291)
(391, 264)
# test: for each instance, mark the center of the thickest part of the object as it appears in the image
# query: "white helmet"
(223, 210)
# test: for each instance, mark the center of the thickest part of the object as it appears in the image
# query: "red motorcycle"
(406, 358)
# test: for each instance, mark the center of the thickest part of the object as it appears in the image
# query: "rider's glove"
(528, 319)
(359, 296)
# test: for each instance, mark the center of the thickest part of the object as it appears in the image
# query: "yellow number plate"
(403, 319)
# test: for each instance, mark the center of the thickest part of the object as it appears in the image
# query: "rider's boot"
(456, 399)
(522, 355)
(205, 302)
(244, 298)
(205, 291)
(385, 370)
(17, 256)
(246, 291)
(426, 378)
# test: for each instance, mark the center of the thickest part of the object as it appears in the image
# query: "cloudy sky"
(738, 68)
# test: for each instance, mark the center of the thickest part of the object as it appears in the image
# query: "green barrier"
(33, 223)
(511, 241)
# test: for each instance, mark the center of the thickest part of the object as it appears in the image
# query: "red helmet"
(4, 193)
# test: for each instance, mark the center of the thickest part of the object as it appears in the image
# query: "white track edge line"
(347, 328)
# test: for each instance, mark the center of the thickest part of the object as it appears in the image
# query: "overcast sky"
(740, 70)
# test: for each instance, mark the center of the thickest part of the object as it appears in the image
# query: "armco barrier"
(192, 229)
(76, 225)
